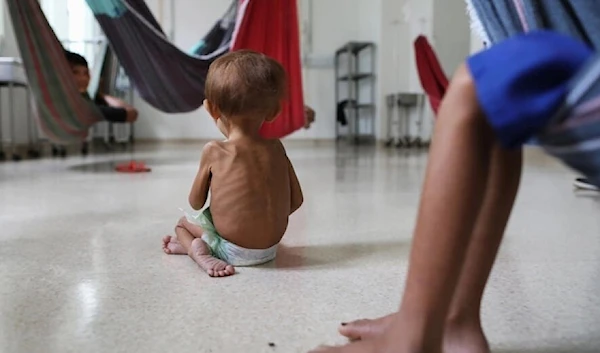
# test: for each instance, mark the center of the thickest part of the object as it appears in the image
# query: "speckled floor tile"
(81, 268)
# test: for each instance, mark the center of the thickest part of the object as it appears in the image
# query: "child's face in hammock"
(82, 77)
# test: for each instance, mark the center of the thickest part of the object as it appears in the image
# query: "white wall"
(451, 33)
(476, 43)
(334, 22)
(443, 22)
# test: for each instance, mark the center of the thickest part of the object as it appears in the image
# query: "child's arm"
(296, 196)
(132, 113)
(115, 102)
(199, 192)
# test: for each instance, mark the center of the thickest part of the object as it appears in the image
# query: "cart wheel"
(85, 150)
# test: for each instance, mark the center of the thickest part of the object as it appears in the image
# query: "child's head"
(244, 87)
(81, 72)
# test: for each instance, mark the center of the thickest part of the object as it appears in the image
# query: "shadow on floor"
(334, 255)
(584, 194)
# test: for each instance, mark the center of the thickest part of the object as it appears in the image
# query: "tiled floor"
(81, 268)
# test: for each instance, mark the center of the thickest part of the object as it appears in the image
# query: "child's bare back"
(253, 186)
(251, 191)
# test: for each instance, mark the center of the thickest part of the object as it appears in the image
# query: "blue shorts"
(522, 81)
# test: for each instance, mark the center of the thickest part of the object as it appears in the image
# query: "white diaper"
(225, 250)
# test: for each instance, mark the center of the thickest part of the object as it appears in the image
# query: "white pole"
(172, 32)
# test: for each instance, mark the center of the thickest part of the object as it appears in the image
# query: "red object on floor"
(271, 27)
(132, 167)
(432, 76)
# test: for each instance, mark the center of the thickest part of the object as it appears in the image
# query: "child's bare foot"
(366, 328)
(172, 246)
(214, 267)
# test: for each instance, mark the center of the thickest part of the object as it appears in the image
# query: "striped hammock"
(166, 77)
(573, 134)
(62, 114)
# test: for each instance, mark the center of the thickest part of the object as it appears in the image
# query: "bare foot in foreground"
(458, 337)
(389, 342)
(172, 246)
(211, 265)
(358, 347)
(366, 328)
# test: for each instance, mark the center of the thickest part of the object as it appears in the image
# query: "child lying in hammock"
(113, 109)
(254, 188)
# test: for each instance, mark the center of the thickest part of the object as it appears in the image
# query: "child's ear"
(211, 110)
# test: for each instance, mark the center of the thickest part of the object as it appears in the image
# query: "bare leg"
(189, 238)
(453, 193)
(463, 332)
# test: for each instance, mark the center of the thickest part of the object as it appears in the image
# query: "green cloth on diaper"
(210, 235)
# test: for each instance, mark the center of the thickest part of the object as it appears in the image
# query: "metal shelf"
(354, 77)
(357, 80)
(361, 106)
(354, 47)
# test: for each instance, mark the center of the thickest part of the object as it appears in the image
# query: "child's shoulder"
(213, 149)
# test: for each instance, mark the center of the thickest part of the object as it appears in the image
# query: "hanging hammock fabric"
(497, 20)
(573, 134)
(271, 27)
(173, 81)
(221, 33)
(63, 115)
(432, 76)
(166, 77)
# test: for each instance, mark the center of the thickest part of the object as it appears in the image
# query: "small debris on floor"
(271, 344)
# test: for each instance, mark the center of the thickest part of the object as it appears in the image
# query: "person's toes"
(353, 330)
(230, 270)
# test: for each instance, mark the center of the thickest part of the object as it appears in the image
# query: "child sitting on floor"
(254, 188)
